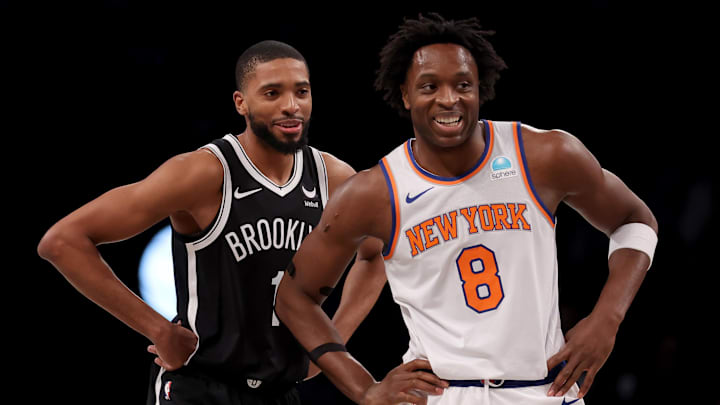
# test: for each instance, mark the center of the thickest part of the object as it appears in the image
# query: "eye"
(427, 87)
(270, 93)
(304, 92)
(465, 85)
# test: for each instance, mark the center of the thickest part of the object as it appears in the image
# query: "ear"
(403, 91)
(240, 104)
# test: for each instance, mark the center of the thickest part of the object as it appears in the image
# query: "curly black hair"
(396, 56)
(261, 52)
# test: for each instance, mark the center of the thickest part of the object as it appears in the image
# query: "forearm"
(312, 328)
(79, 261)
(363, 286)
(627, 269)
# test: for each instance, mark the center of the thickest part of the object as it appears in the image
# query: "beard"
(263, 132)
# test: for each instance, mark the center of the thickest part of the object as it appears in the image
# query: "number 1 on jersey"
(480, 281)
(276, 282)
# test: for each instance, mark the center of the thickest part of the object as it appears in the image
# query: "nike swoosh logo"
(565, 402)
(309, 194)
(410, 200)
(238, 195)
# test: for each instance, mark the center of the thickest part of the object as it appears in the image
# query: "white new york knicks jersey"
(472, 263)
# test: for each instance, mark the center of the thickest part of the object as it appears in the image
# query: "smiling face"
(441, 93)
(277, 103)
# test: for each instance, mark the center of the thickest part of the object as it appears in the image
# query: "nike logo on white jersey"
(410, 200)
(309, 194)
(239, 195)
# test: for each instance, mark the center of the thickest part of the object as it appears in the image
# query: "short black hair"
(261, 52)
(396, 56)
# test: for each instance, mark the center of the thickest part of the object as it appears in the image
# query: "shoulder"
(337, 171)
(552, 140)
(559, 158)
(187, 177)
(366, 197)
(199, 165)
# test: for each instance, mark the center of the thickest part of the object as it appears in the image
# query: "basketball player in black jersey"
(239, 208)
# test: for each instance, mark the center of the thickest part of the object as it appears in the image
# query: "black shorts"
(182, 387)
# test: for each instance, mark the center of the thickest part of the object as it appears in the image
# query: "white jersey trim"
(256, 174)
(322, 175)
(158, 385)
(210, 237)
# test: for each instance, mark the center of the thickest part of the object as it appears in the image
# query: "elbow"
(291, 302)
(52, 244)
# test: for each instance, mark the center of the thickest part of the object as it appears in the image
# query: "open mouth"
(448, 119)
(290, 126)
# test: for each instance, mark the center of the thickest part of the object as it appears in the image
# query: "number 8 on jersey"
(480, 280)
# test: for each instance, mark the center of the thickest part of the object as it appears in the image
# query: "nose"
(290, 105)
(446, 96)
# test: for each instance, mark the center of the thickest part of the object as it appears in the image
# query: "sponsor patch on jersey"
(253, 383)
(502, 168)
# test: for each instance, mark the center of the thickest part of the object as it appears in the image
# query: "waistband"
(509, 383)
(238, 382)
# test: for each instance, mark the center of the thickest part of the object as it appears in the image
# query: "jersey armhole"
(520, 150)
(394, 208)
(211, 232)
(322, 175)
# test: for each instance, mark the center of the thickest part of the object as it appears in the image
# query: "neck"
(275, 165)
(450, 161)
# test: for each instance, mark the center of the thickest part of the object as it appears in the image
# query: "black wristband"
(324, 348)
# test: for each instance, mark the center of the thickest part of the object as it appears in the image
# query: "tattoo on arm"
(291, 269)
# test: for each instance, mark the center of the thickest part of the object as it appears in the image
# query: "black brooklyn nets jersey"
(227, 276)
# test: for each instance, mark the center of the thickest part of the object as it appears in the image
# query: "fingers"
(570, 375)
(421, 387)
(417, 364)
(412, 398)
(558, 358)
(430, 379)
(415, 380)
(423, 371)
(587, 383)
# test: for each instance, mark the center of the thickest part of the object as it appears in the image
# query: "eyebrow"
(433, 75)
(297, 84)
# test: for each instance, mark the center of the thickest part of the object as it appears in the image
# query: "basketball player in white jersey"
(466, 210)
(239, 207)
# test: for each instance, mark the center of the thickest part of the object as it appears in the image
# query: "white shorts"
(536, 395)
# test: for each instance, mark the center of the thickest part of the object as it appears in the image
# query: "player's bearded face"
(280, 143)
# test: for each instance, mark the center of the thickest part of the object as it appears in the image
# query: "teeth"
(448, 121)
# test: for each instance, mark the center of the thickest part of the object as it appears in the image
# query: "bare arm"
(359, 209)
(606, 203)
(366, 278)
(362, 288)
(70, 245)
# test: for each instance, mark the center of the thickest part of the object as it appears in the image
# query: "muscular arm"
(569, 173)
(366, 278)
(180, 186)
(362, 288)
(359, 209)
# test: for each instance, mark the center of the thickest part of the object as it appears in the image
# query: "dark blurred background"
(99, 95)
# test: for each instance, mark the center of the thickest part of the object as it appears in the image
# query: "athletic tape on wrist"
(634, 236)
(324, 348)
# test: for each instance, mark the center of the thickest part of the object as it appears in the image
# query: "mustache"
(290, 118)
